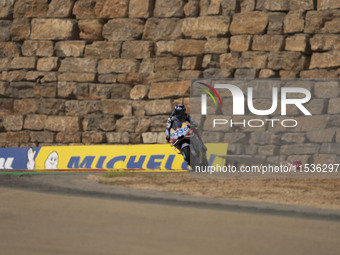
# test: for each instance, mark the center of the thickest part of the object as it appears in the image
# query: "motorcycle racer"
(177, 118)
(175, 121)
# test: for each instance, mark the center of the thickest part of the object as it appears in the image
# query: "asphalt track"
(68, 214)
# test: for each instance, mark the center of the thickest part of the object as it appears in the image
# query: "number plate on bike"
(179, 132)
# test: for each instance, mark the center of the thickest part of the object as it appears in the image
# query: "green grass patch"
(27, 173)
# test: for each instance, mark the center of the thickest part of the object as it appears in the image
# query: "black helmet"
(179, 110)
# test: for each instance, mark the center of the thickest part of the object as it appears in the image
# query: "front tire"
(189, 157)
(187, 154)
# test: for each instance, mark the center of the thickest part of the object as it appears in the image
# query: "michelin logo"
(52, 161)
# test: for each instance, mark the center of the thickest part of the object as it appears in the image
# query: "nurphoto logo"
(238, 104)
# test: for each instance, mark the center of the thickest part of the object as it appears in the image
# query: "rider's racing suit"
(175, 122)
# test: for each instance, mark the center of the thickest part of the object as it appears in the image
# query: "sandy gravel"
(318, 193)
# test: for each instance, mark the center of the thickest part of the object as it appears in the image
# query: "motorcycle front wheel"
(189, 157)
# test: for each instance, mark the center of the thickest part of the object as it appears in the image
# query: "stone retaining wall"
(110, 71)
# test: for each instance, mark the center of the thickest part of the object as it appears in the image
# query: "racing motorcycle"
(190, 145)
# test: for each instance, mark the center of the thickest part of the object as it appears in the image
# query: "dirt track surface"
(317, 193)
(37, 223)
